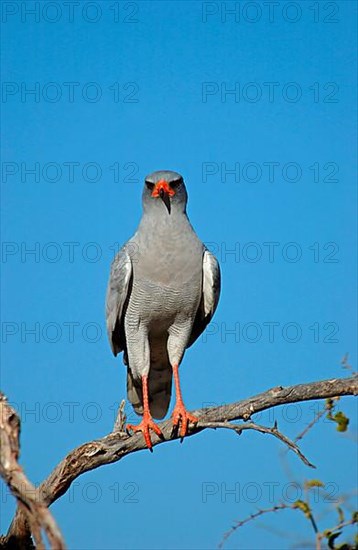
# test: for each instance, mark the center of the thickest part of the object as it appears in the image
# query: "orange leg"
(180, 414)
(147, 423)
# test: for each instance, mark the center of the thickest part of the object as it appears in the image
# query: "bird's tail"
(159, 388)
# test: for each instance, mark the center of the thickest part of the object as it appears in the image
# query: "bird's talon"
(145, 425)
(183, 417)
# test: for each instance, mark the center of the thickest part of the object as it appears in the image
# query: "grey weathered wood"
(33, 509)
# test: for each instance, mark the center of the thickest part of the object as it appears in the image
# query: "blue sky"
(120, 90)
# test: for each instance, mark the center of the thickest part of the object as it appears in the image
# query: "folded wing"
(118, 292)
(210, 295)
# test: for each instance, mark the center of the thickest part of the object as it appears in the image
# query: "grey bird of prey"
(163, 290)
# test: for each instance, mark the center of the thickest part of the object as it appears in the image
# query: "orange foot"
(144, 427)
(182, 416)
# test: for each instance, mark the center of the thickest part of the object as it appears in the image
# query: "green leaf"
(303, 506)
(313, 483)
(340, 418)
(342, 421)
(340, 514)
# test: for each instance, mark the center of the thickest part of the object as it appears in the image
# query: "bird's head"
(165, 189)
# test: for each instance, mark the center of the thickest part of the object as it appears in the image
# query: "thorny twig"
(239, 428)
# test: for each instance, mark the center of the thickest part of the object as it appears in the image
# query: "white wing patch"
(211, 283)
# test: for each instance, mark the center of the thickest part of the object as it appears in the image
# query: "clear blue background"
(167, 50)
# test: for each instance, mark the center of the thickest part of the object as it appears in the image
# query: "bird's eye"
(149, 185)
(176, 183)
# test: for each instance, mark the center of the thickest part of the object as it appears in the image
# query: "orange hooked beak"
(163, 190)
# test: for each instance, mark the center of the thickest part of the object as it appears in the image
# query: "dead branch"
(298, 505)
(238, 428)
(116, 445)
(33, 509)
(251, 517)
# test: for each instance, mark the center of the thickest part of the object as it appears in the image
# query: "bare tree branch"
(120, 423)
(238, 428)
(33, 509)
(299, 505)
(251, 517)
(116, 445)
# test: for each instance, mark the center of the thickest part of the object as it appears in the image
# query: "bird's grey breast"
(167, 273)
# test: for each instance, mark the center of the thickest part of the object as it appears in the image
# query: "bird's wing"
(118, 292)
(210, 296)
